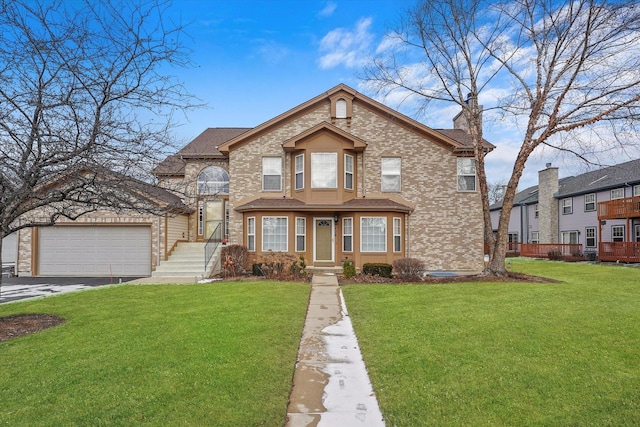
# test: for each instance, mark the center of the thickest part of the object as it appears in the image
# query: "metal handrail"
(212, 244)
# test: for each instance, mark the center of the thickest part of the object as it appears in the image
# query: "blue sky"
(258, 58)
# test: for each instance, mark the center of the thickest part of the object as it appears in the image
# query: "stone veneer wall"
(548, 205)
(445, 230)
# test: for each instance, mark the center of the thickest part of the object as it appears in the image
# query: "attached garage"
(94, 251)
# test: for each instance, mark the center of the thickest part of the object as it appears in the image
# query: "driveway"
(17, 288)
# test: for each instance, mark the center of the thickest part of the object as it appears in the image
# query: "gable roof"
(611, 177)
(454, 140)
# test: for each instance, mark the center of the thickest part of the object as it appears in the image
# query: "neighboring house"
(102, 243)
(338, 177)
(574, 210)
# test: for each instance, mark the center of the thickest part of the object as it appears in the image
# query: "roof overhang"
(357, 143)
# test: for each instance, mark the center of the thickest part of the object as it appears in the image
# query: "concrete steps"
(187, 260)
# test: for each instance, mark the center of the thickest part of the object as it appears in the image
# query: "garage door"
(95, 251)
(10, 249)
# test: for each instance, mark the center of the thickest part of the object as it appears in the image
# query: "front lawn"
(505, 353)
(220, 354)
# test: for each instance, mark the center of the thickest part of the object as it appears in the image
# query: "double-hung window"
(617, 233)
(272, 173)
(251, 234)
(590, 237)
(347, 234)
(274, 234)
(390, 180)
(301, 234)
(466, 174)
(373, 234)
(590, 202)
(535, 237)
(348, 171)
(299, 165)
(397, 235)
(636, 190)
(617, 193)
(324, 170)
(567, 206)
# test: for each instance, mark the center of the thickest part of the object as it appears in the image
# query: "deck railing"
(542, 250)
(620, 251)
(628, 207)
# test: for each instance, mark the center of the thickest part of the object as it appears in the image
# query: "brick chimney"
(460, 121)
(548, 204)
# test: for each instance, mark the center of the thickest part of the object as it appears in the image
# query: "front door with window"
(214, 217)
(323, 239)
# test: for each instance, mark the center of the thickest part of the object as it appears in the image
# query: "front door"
(323, 239)
(214, 217)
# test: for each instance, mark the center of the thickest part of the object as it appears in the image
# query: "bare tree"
(86, 105)
(496, 190)
(568, 65)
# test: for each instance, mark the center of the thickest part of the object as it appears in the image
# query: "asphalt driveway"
(18, 288)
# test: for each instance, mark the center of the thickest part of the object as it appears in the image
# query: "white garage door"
(95, 251)
(10, 249)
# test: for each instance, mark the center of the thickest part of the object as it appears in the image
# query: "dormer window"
(341, 109)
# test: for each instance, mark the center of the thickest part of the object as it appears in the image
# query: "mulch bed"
(509, 277)
(23, 324)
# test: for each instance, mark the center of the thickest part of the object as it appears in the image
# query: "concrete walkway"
(330, 385)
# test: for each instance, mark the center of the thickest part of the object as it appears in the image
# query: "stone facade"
(548, 205)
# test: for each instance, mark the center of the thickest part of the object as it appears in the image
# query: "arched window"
(341, 109)
(213, 180)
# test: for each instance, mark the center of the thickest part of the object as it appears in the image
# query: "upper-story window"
(466, 174)
(390, 180)
(617, 193)
(299, 171)
(348, 171)
(213, 180)
(272, 173)
(536, 212)
(590, 202)
(567, 206)
(636, 190)
(341, 109)
(324, 170)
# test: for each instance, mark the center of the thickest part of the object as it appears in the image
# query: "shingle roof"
(206, 144)
(463, 137)
(352, 205)
(590, 182)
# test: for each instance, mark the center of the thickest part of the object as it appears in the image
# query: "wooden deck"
(628, 207)
(542, 250)
(620, 251)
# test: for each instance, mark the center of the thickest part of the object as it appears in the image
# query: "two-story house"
(339, 177)
(574, 210)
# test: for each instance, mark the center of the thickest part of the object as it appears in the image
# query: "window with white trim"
(348, 171)
(213, 180)
(390, 174)
(567, 206)
(397, 235)
(272, 173)
(569, 237)
(636, 190)
(535, 237)
(617, 233)
(347, 234)
(341, 109)
(466, 174)
(200, 218)
(301, 234)
(590, 202)
(251, 234)
(617, 193)
(299, 172)
(274, 234)
(324, 170)
(512, 242)
(590, 237)
(373, 234)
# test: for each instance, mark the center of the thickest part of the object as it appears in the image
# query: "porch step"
(187, 260)
(324, 270)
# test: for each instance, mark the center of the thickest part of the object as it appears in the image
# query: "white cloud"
(346, 47)
(328, 9)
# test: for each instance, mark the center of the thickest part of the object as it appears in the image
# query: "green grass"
(505, 353)
(219, 354)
